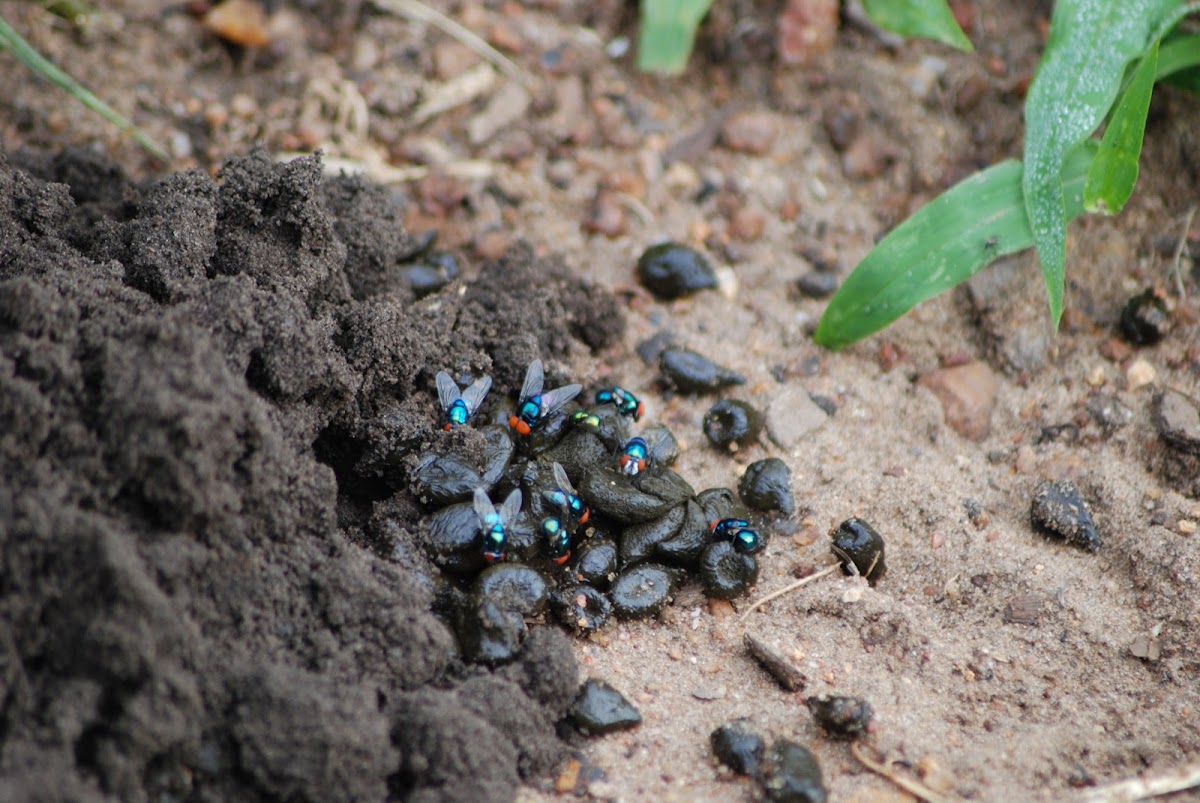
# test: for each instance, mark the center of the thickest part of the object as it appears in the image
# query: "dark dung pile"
(211, 587)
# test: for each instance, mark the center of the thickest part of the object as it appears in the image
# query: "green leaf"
(1090, 44)
(931, 19)
(15, 44)
(946, 242)
(1177, 54)
(1115, 170)
(668, 30)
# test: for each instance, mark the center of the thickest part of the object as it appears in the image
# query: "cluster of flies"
(535, 405)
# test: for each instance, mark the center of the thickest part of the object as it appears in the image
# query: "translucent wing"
(562, 480)
(553, 399)
(447, 389)
(484, 508)
(473, 395)
(511, 507)
(534, 378)
(656, 445)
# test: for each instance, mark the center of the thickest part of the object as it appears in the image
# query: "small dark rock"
(596, 562)
(731, 421)
(738, 747)
(1177, 420)
(693, 373)
(824, 402)
(767, 485)
(1108, 411)
(726, 572)
(1145, 319)
(857, 543)
(670, 270)
(600, 708)
(842, 717)
(641, 591)
(1059, 510)
(581, 607)
(790, 774)
(817, 284)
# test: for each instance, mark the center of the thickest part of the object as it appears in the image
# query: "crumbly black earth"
(211, 584)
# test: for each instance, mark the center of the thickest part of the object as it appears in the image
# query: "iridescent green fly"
(494, 524)
(533, 405)
(458, 405)
(738, 531)
(626, 403)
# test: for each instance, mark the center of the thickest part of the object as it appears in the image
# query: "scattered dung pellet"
(513, 587)
(857, 544)
(840, 716)
(600, 708)
(1145, 319)
(785, 673)
(791, 774)
(671, 270)
(1059, 510)
(732, 421)
(694, 373)
(581, 607)
(817, 284)
(738, 747)
(767, 485)
(726, 572)
(641, 591)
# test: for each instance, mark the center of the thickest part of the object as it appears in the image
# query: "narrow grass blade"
(1090, 44)
(1115, 169)
(1178, 59)
(668, 30)
(930, 19)
(14, 43)
(946, 242)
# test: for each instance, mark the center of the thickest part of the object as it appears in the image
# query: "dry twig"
(1143, 787)
(787, 590)
(913, 787)
(1187, 226)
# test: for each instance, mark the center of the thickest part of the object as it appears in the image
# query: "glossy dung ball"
(839, 716)
(738, 747)
(670, 270)
(600, 708)
(641, 591)
(857, 544)
(726, 572)
(694, 373)
(767, 485)
(1145, 320)
(731, 421)
(596, 562)
(791, 774)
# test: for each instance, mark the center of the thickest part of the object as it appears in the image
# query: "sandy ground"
(986, 707)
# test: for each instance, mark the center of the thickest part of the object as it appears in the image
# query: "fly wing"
(534, 378)
(657, 445)
(484, 508)
(553, 399)
(562, 480)
(511, 507)
(473, 395)
(447, 389)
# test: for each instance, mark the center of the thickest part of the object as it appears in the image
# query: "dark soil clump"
(212, 396)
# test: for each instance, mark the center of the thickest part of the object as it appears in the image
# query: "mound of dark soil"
(210, 392)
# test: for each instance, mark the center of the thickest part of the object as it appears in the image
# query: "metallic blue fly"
(458, 405)
(739, 532)
(638, 454)
(626, 403)
(533, 405)
(565, 499)
(558, 539)
(494, 525)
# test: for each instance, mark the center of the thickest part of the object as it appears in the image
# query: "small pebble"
(671, 270)
(968, 394)
(792, 415)
(738, 747)
(782, 670)
(817, 284)
(747, 224)
(767, 485)
(841, 717)
(857, 543)
(1058, 509)
(749, 132)
(600, 708)
(1177, 419)
(693, 373)
(732, 422)
(1139, 374)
